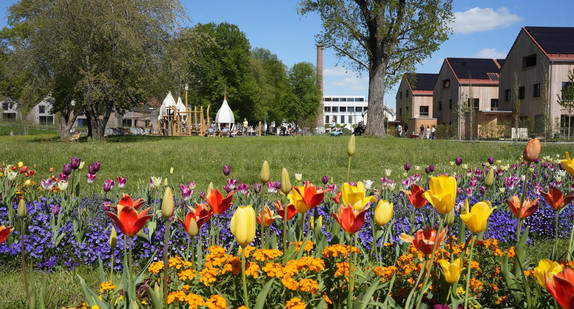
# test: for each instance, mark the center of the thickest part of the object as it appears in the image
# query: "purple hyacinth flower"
(458, 160)
(122, 182)
(257, 188)
(407, 166)
(67, 169)
(325, 180)
(226, 170)
(108, 185)
(75, 163)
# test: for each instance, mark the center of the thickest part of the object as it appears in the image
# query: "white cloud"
(335, 71)
(340, 81)
(491, 53)
(480, 20)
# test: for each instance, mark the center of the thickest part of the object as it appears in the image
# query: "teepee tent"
(225, 115)
(168, 104)
(180, 106)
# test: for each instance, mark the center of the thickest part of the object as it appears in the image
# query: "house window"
(446, 83)
(327, 109)
(350, 119)
(42, 109)
(11, 116)
(342, 119)
(407, 93)
(507, 95)
(423, 110)
(326, 119)
(350, 109)
(358, 109)
(473, 103)
(44, 120)
(126, 123)
(342, 109)
(335, 109)
(521, 93)
(439, 105)
(328, 99)
(401, 112)
(493, 104)
(335, 99)
(5, 106)
(343, 100)
(359, 100)
(529, 61)
(536, 90)
(450, 104)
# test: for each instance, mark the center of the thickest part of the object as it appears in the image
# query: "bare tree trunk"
(66, 124)
(376, 111)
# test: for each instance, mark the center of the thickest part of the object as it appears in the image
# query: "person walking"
(422, 132)
(433, 131)
(399, 130)
(428, 132)
(245, 127)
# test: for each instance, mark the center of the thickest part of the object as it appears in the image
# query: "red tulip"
(522, 212)
(350, 220)
(532, 150)
(291, 211)
(561, 287)
(217, 203)
(128, 220)
(268, 217)
(4, 232)
(200, 215)
(424, 240)
(555, 199)
(416, 196)
(337, 198)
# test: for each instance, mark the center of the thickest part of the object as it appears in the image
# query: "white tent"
(225, 115)
(180, 106)
(168, 104)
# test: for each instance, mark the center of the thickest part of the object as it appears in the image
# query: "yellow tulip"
(568, 164)
(476, 220)
(546, 267)
(441, 193)
(351, 149)
(285, 182)
(20, 164)
(489, 179)
(383, 212)
(451, 271)
(355, 196)
(22, 209)
(167, 204)
(265, 173)
(243, 225)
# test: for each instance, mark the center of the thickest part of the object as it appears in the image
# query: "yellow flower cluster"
(295, 303)
(248, 250)
(195, 301)
(308, 246)
(342, 269)
(338, 251)
(107, 286)
(155, 267)
(385, 272)
(179, 295)
(264, 255)
(178, 262)
(186, 274)
(216, 302)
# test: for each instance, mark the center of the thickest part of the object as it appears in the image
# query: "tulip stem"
(131, 266)
(570, 244)
(165, 261)
(348, 168)
(553, 256)
(24, 266)
(522, 199)
(352, 262)
(245, 297)
(262, 226)
(285, 234)
(302, 226)
(466, 291)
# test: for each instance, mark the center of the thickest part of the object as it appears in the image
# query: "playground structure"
(176, 119)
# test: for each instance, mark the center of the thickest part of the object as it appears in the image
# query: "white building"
(40, 114)
(344, 110)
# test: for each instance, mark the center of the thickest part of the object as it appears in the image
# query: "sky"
(481, 29)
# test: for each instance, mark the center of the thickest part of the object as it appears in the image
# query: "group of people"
(246, 130)
(428, 132)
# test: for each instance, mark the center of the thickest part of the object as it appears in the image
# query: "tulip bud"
(113, 238)
(532, 150)
(320, 222)
(243, 225)
(210, 187)
(489, 179)
(226, 170)
(351, 149)
(20, 164)
(450, 218)
(285, 182)
(383, 212)
(312, 222)
(22, 209)
(165, 182)
(325, 180)
(171, 170)
(192, 229)
(265, 173)
(167, 204)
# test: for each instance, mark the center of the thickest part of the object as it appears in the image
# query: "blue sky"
(484, 29)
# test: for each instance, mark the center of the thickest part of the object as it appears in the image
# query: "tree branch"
(344, 52)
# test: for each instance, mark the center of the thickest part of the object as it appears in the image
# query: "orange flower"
(305, 197)
(522, 212)
(268, 217)
(562, 288)
(4, 232)
(555, 199)
(349, 220)
(216, 201)
(337, 198)
(416, 196)
(424, 240)
(291, 211)
(532, 150)
(199, 215)
(128, 220)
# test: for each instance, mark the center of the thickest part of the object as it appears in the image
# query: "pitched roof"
(553, 40)
(475, 70)
(422, 81)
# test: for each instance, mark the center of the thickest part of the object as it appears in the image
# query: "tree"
(566, 98)
(386, 38)
(92, 56)
(304, 98)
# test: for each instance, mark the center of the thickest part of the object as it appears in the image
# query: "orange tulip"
(199, 215)
(561, 287)
(268, 217)
(217, 203)
(555, 199)
(306, 197)
(337, 198)
(127, 201)
(350, 220)
(532, 150)
(424, 240)
(522, 212)
(4, 232)
(128, 220)
(416, 196)
(291, 211)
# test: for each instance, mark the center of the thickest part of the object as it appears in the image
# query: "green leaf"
(260, 302)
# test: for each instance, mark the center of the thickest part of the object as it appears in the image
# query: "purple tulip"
(91, 178)
(122, 182)
(458, 160)
(427, 170)
(227, 188)
(108, 185)
(243, 188)
(226, 170)
(482, 189)
(47, 184)
(332, 187)
(67, 169)
(257, 188)
(96, 165)
(202, 194)
(231, 183)
(325, 180)
(271, 187)
(54, 209)
(75, 164)
(407, 166)
(63, 176)
(185, 192)
(491, 160)
(431, 168)
(277, 185)
(107, 206)
(92, 169)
